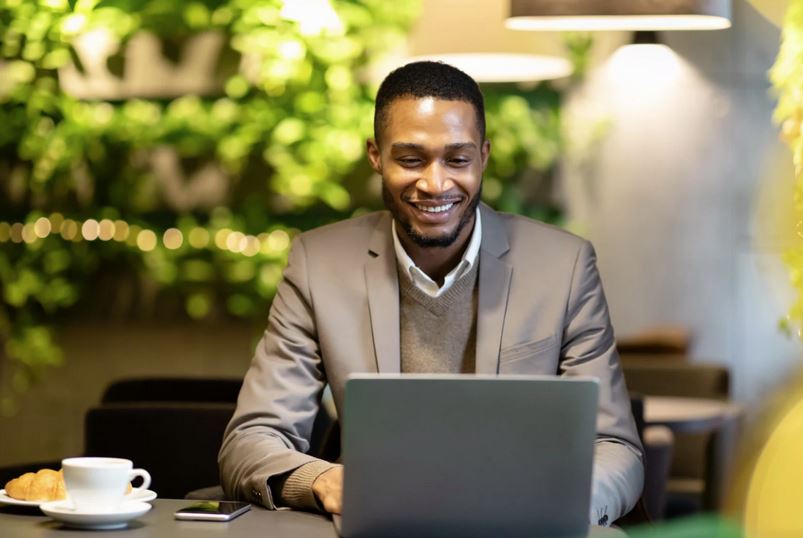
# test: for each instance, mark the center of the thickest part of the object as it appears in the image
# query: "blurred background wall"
(687, 196)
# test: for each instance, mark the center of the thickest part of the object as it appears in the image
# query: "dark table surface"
(19, 522)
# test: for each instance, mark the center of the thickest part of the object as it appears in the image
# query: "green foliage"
(787, 78)
(93, 190)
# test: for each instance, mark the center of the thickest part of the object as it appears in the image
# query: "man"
(438, 283)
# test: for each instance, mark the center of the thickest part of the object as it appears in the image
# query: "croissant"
(45, 485)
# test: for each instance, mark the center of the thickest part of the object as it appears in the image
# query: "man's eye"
(409, 161)
(459, 161)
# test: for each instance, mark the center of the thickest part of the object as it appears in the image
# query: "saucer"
(5, 499)
(64, 512)
(145, 496)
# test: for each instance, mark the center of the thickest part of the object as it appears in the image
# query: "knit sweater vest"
(438, 334)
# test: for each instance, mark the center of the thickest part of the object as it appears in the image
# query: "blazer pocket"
(526, 350)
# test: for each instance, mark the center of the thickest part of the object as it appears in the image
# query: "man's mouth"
(434, 209)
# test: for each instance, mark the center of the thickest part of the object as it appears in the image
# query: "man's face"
(431, 159)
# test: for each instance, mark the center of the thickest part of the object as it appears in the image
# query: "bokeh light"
(121, 230)
(106, 230)
(69, 229)
(90, 229)
(42, 227)
(251, 247)
(234, 241)
(55, 221)
(28, 234)
(278, 241)
(198, 237)
(221, 238)
(173, 238)
(146, 240)
(16, 232)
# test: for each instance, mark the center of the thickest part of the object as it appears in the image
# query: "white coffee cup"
(99, 484)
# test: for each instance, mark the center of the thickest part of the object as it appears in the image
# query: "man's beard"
(425, 241)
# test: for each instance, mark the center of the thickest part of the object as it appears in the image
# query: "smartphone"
(212, 511)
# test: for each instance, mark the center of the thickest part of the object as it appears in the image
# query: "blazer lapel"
(494, 286)
(382, 285)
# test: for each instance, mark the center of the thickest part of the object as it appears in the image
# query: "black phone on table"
(212, 511)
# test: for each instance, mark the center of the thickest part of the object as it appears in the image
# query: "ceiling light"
(476, 41)
(504, 67)
(593, 15)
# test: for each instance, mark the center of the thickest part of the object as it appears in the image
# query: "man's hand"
(328, 489)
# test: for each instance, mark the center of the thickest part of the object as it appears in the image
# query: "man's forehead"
(430, 113)
(428, 104)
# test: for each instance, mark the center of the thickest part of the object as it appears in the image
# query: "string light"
(42, 227)
(146, 240)
(105, 230)
(69, 229)
(278, 241)
(120, 230)
(252, 246)
(198, 238)
(5, 232)
(56, 220)
(220, 238)
(90, 229)
(173, 238)
(234, 242)
(28, 234)
(267, 243)
(16, 232)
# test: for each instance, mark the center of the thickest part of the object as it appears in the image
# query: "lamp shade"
(476, 41)
(504, 67)
(590, 15)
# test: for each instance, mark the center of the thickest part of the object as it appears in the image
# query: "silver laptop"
(469, 456)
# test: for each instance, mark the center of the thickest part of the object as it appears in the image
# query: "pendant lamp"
(591, 15)
(476, 41)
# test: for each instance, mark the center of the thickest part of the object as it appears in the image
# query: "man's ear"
(485, 152)
(374, 155)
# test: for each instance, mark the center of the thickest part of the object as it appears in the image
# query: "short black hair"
(428, 79)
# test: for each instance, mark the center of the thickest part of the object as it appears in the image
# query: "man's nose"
(435, 180)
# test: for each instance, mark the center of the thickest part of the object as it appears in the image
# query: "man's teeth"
(436, 209)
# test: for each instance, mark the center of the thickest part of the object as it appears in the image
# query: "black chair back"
(176, 442)
(173, 389)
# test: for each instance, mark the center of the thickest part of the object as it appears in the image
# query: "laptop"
(466, 455)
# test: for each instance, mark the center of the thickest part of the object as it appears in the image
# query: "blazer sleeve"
(589, 349)
(270, 430)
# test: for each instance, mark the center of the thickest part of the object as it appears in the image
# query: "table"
(688, 415)
(17, 522)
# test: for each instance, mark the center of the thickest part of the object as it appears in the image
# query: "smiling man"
(438, 283)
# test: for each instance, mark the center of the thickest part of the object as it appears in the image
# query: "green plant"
(100, 211)
(787, 78)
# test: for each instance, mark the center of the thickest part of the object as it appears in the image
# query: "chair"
(172, 389)
(701, 461)
(199, 410)
(659, 342)
(177, 442)
(658, 442)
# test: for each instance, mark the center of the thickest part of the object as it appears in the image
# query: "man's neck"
(436, 262)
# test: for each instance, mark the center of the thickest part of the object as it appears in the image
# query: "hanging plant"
(787, 78)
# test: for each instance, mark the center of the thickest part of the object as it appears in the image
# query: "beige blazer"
(541, 310)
